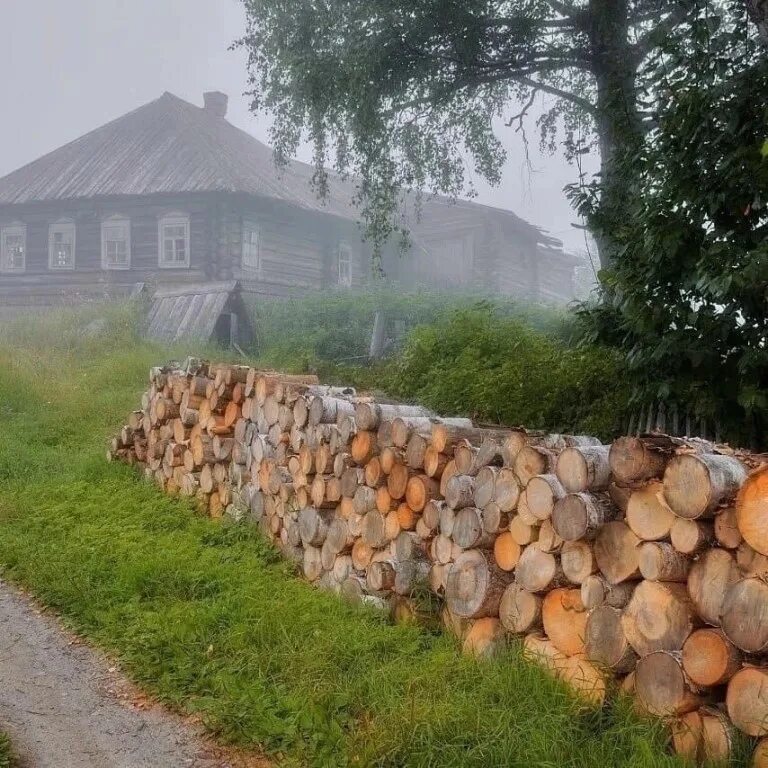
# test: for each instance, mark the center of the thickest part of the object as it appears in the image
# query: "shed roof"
(188, 312)
(171, 146)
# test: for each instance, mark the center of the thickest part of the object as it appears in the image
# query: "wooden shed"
(213, 312)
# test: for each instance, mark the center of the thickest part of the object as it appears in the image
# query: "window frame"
(344, 247)
(105, 225)
(62, 225)
(15, 228)
(250, 226)
(171, 220)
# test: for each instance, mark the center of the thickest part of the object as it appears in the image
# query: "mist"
(72, 66)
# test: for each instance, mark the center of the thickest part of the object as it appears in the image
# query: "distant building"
(172, 193)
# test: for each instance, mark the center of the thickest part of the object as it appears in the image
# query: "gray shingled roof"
(168, 145)
(171, 146)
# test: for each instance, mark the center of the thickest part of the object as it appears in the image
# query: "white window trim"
(13, 229)
(60, 226)
(110, 222)
(346, 282)
(172, 219)
(250, 226)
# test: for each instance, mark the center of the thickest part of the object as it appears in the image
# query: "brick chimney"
(216, 103)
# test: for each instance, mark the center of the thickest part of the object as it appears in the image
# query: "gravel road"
(65, 705)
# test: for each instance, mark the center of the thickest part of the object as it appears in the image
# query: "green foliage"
(336, 327)
(497, 369)
(687, 297)
(210, 620)
(405, 95)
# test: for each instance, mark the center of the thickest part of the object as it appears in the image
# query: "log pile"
(642, 563)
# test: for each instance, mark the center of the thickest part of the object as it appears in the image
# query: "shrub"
(337, 326)
(496, 368)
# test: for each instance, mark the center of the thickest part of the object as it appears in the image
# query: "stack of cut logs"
(644, 561)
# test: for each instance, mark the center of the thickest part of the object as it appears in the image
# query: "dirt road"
(65, 706)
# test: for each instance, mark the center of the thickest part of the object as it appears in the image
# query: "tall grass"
(208, 618)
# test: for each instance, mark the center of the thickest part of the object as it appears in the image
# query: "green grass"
(208, 618)
(6, 752)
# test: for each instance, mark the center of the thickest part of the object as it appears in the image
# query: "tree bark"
(619, 129)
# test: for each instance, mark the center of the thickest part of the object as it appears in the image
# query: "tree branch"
(579, 101)
(567, 22)
(523, 112)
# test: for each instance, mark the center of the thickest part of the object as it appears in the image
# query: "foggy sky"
(68, 66)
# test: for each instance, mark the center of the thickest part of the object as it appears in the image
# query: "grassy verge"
(209, 619)
(6, 752)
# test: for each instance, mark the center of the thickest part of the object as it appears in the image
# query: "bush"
(496, 368)
(685, 297)
(336, 327)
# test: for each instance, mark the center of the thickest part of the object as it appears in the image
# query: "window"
(61, 245)
(174, 241)
(13, 248)
(251, 255)
(345, 264)
(116, 243)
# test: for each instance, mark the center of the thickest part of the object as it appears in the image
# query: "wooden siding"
(39, 285)
(298, 251)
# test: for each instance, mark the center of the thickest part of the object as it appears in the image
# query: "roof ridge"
(170, 145)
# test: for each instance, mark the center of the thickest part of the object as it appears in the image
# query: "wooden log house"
(173, 194)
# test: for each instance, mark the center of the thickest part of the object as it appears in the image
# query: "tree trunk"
(696, 485)
(648, 514)
(584, 469)
(596, 590)
(468, 530)
(538, 571)
(752, 511)
(542, 493)
(619, 130)
(660, 561)
(485, 638)
(581, 515)
(691, 536)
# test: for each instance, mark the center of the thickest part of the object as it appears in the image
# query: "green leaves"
(687, 297)
(479, 363)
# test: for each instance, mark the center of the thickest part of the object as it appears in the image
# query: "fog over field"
(72, 66)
